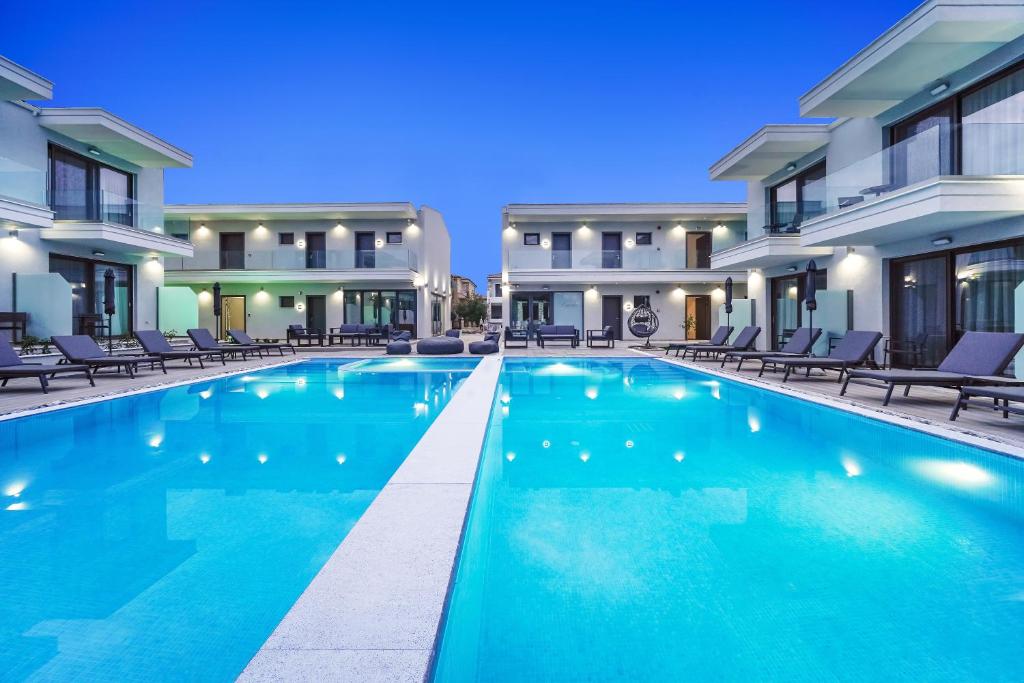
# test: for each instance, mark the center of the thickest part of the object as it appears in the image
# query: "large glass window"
(86, 278)
(568, 309)
(923, 145)
(385, 307)
(82, 189)
(938, 297)
(530, 309)
(787, 304)
(799, 198)
(992, 123)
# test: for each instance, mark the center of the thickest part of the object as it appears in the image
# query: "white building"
(317, 265)
(81, 193)
(589, 265)
(911, 201)
(495, 307)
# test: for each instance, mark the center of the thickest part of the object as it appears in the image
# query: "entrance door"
(232, 251)
(920, 308)
(316, 312)
(611, 314)
(232, 315)
(316, 250)
(611, 250)
(698, 307)
(561, 250)
(366, 256)
(698, 251)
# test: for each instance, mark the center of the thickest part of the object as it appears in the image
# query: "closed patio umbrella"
(109, 306)
(217, 305)
(811, 291)
(728, 300)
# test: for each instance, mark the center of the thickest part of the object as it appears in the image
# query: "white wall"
(436, 269)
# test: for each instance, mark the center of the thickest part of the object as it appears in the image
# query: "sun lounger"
(154, 343)
(800, 344)
(856, 348)
(204, 341)
(1001, 397)
(240, 337)
(81, 349)
(13, 367)
(977, 356)
(744, 341)
(717, 339)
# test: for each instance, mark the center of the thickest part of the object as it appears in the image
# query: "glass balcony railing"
(297, 259)
(638, 258)
(106, 207)
(970, 149)
(22, 182)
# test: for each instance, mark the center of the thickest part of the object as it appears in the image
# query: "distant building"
(462, 288)
(495, 293)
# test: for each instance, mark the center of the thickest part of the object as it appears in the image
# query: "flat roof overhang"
(18, 83)
(114, 136)
(554, 213)
(116, 239)
(622, 277)
(937, 39)
(15, 214)
(769, 150)
(927, 209)
(765, 252)
(405, 278)
(283, 212)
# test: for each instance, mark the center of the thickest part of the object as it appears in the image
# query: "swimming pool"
(639, 521)
(164, 535)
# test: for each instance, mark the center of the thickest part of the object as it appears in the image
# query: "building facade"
(495, 306)
(590, 265)
(81, 194)
(911, 202)
(316, 265)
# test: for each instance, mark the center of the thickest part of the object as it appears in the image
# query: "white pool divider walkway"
(374, 610)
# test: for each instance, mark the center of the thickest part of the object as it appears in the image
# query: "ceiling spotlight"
(97, 252)
(791, 167)
(791, 269)
(939, 88)
(942, 241)
(95, 152)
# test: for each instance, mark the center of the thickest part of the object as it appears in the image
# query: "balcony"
(636, 265)
(920, 188)
(293, 265)
(111, 223)
(767, 250)
(23, 195)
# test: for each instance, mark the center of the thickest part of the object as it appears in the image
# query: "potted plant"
(689, 325)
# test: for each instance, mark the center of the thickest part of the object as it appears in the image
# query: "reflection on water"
(637, 520)
(165, 535)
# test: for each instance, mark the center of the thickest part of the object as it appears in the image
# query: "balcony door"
(366, 256)
(316, 312)
(611, 249)
(232, 251)
(316, 250)
(561, 250)
(611, 314)
(233, 315)
(923, 145)
(698, 308)
(698, 251)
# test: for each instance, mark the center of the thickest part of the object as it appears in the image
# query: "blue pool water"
(633, 520)
(163, 536)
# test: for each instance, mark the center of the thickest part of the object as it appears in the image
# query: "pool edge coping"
(267, 663)
(918, 424)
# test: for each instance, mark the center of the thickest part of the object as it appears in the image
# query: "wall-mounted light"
(300, 307)
(158, 228)
(628, 306)
(790, 166)
(300, 244)
(720, 228)
(203, 231)
(939, 88)
(942, 241)
(545, 243)
(13, 233)
(97, 252)
(630, 244)
(95, 152)
(379, 243)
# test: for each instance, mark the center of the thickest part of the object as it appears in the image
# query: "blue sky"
(465, 107)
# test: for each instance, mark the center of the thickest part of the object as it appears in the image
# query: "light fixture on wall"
(13, 233)
(95, 152)
(300, 244)
(942, 241)
(939, 88)
(629, 244)
(379, 243)
(791, 166)
(545, 243)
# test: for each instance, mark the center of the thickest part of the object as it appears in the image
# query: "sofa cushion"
(398, 348)
(483, 347)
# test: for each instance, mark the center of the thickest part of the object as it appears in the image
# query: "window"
(531, 239)
(641, 300)
(286, 301)
(797, 199)
(643, 239)
(497, 289)
(495, 311)
(87, 280)
(394, 238)
(285, 238)
(82, 189)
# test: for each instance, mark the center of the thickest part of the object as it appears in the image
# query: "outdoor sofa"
(557, 333)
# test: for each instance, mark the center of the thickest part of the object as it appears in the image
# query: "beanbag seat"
(440, 346)
(482, 348)
(398, 348)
